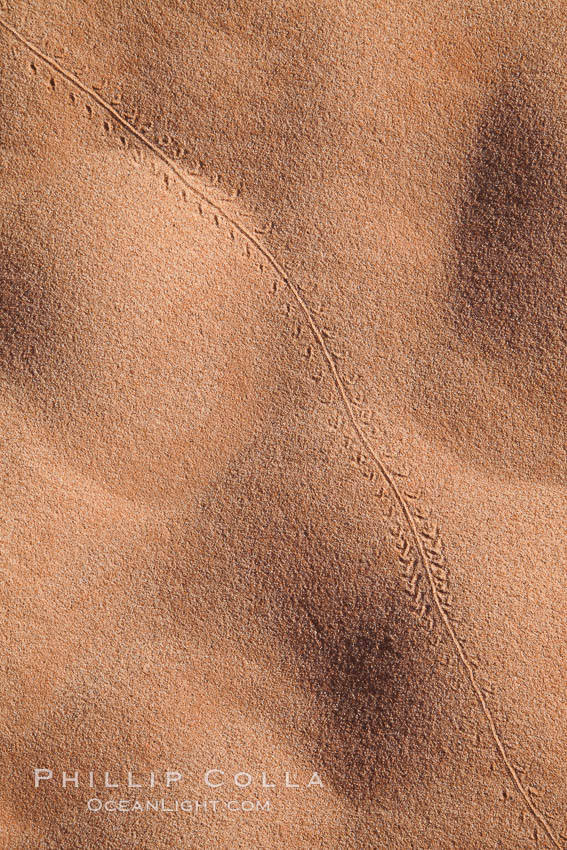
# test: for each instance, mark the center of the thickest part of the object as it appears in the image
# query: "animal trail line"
(388, 477)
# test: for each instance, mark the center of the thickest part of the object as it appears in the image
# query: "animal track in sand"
(421, 552)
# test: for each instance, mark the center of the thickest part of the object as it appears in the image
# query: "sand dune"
(282, 321)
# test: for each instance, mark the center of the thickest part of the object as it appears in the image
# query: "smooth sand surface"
(283, 436)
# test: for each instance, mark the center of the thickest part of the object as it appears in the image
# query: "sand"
(283, 492)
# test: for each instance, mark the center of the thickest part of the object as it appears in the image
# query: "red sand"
(283, 357)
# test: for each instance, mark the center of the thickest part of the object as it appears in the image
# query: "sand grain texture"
(283, 351)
